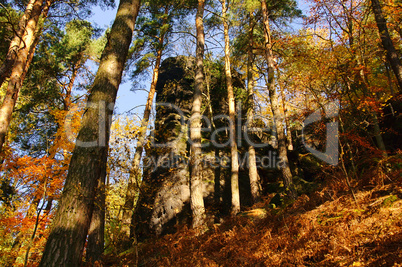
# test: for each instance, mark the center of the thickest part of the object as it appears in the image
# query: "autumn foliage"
(324, 228)
(287, 60)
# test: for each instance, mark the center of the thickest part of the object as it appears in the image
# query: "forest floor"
(325, 228)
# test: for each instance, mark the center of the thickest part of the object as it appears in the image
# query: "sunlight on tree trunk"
(277, 114)
(252, 166)
(196, 188)
(66, 241)
(15, 43)
(235, 208)
(287, 124)
(15, 82)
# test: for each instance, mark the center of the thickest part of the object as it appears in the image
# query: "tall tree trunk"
(386, 41)
(391, 89)
(30, 58)
(377, 134)
(277, 114)
(15, 43)
(288, 132)
(196, 189)
(252, 166)
(133, 183)
(235, 208)
(96, 232)
(38, 33)
(66, 241)
(217, 171)
(17, 72)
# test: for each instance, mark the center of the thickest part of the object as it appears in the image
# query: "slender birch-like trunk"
(277, 114)
(196, 189)
(235, 208)
(287, 124)
(252, 166)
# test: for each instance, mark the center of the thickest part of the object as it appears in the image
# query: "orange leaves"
(69, 123)
(38, 182)
(13, 222)
(357, 140)
(369, 104)
(40, 174)
(323, 230)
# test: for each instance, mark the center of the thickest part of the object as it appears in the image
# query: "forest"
(259, 133)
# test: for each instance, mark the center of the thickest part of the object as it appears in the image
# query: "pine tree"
(277, 114)
(235, 208)
(196, 192)
(67, 238)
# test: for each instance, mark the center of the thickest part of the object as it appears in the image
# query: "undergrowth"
(324, 228)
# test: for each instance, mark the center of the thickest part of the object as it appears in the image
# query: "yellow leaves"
(125, 127)
(123, 136)
(316, 37)
(255, 214)
(115, 197)
(69, 123)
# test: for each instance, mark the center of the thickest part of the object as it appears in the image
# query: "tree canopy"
(252, 106)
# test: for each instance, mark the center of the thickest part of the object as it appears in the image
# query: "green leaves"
(76, 40)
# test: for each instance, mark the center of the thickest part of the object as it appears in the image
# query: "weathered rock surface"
(165, 193)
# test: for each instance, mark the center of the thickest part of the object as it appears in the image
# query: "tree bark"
(377, 134)
(17, 72)
(391, 53)
(277, 114)
(38, 32)
(15, 43)
(133, 183)
(391, 89)
(96, 233)
(196, 190)
(287, 124)
(252, 166)
(235, 208)
(66, 241)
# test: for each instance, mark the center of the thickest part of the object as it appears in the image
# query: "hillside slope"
(326, 228)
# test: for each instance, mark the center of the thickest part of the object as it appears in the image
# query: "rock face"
(165, 193)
